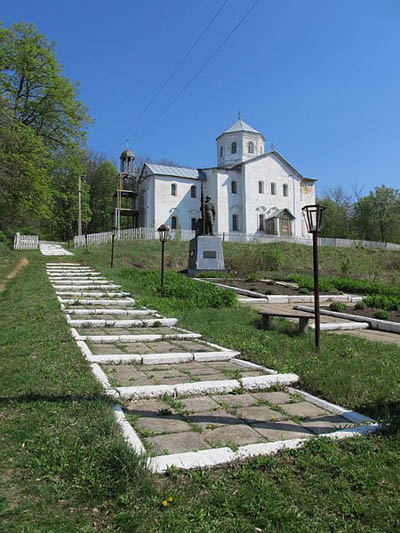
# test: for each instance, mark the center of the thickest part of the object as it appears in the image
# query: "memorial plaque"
(210, 254)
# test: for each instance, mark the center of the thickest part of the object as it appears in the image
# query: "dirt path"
(24, 261)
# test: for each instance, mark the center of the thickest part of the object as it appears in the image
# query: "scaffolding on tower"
(125, 196)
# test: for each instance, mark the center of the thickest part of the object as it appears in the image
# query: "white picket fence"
(260, 238)
(25, 242)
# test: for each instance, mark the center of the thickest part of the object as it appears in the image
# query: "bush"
(382, 314)
(361, 305)
(340, 307)
(389, 303)
(192, 294)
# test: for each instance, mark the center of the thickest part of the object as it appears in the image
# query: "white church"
(253, 191)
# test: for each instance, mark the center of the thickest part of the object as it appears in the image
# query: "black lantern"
(163, 231)
(313, 217)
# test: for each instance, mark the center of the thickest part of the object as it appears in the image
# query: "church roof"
(126, 153)
(180, 172)
(240, 125)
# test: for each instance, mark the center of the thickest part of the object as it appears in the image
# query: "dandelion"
(165, 503)
(210, 426)
(170, 499)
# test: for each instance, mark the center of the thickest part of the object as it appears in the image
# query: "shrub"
(382, 314)
(340, 307)
(361, 305)
(390, 303)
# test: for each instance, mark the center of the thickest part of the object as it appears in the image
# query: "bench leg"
(265, 321)
(303, 323)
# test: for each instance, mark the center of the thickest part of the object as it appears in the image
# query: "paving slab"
(326, 424)
(135, 347)
(259, 413)
(200, 404)
(235, 400)
(143, 407)
(190, 346)
(276, 398)
(177, 443)
(159, 424)
(105, 349)
(237, 435)
(211, 419)
(303, 409)
(283, 430)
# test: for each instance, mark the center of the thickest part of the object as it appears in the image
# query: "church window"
(193, 224)
(251, 147)
(233, 148)
(261, 222)
(221, 151)
(235, 223)
(234, 187)
(173, 222)
(261, 187)
(285, 190)
(193, 192)
(273, 189)
(173, 189)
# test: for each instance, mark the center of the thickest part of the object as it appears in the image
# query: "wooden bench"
(303, 318)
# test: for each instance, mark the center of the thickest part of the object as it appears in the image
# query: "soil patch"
(24, 261)
(262, 287)
(394, 316)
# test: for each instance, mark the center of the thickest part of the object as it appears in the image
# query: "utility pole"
(79, 207)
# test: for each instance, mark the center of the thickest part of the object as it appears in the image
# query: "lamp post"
(163, 231)
(113, 233)
(313, 217)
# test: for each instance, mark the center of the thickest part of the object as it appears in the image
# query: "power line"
(172, 73)
(198, 71)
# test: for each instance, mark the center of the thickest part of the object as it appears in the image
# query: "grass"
(64, 466)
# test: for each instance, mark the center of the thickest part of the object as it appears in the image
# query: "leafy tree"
(31, 84)
(378, 215)
(69, 166)
(338, 218)
(102, 178)
(25, 166)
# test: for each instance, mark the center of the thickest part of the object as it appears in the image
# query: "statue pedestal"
(205, 253)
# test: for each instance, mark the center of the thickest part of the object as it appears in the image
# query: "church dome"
(126, 153)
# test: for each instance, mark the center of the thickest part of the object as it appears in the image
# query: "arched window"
(173, 222)
(235, 223)
(251, 147)
(261, 222)
(193, 192)
(273, 188)
(221, 151)
(173, 189)
(261, 187)
(234, 187)
(285, 190)
(233, 148)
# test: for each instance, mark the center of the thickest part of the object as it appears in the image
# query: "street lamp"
(113, 233)
(313, 217)
(163, 231)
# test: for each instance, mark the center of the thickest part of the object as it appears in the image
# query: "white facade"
(253, 192)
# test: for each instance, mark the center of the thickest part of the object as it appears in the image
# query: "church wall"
(182, 206)
(270, 170)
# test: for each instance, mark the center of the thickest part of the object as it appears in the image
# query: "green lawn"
(64, 466)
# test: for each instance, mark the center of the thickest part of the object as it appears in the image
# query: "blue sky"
(319, 78)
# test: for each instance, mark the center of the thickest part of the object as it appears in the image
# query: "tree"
(69, 166)
(33, 88)
(337, 222)
(102, 178)
(378, 215)
(25, 167)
